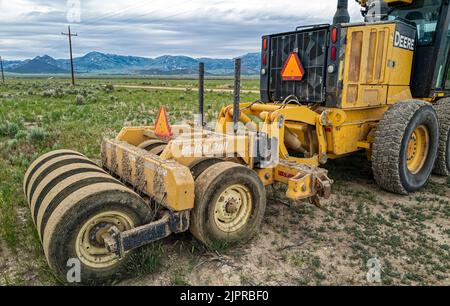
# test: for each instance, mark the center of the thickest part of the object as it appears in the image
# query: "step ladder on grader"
(326, 91)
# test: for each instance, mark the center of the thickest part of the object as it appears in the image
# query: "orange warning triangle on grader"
(162, 126)
(292, 68)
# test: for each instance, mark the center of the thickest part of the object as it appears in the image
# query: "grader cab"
(327, 91)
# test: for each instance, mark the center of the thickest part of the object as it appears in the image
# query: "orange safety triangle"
(162, 125)
(292, 68)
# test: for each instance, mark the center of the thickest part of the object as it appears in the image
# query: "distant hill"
(40, 64)
(97, 62)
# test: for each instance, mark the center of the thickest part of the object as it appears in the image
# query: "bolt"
(231, 208)
(324, 158)
(303, 188)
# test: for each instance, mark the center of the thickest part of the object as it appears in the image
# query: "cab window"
(424, 14)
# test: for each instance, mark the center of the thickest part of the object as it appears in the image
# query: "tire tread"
(388, 142)
(442, 108)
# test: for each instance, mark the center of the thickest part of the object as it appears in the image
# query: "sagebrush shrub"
(79, 100)
(9, 129)
(109, 88)
(92, 98)
(48, 93)
(36, 135)
(21, 135)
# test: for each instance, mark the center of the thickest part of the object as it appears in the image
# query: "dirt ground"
(300, 244)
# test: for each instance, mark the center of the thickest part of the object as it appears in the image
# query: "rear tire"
(158, 150)
(151, 144)
(230, 201)
(35, 165)
(73, 202)
(442, 165)
(405, 147)
(198, 166)
(70, 236)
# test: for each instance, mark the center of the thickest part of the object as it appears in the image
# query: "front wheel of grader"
(73, 204)
(405, 147)
(442, 165)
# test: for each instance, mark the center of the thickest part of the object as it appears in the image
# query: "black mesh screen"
(311, 48)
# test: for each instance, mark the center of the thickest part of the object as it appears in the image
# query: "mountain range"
(101, 63)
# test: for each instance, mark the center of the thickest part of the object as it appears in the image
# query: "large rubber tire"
(158, 150)
(154, 146)
(209, 186)
(199, 165)
(151, 144)
(389, 159)
(34, 166)
(442, 165)
(67, 193)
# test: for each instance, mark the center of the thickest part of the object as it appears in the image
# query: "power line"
(143, 13)
(138, 16)
(117, 12)
(69, 34)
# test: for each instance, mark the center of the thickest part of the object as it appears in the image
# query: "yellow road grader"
(327, 91)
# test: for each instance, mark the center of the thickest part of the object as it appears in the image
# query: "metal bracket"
(113, 242)
(121, 242)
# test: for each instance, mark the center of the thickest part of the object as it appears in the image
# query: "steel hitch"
(170, 223)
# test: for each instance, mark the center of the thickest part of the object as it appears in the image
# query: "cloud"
(213, 28)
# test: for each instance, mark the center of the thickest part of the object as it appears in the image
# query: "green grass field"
(298, 244)
(39, 115)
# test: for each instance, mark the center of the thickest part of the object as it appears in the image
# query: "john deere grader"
(327, 91)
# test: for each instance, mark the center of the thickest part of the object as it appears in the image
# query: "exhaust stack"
(342, 15)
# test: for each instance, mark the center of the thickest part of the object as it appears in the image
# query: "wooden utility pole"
(201, 93)
(3, 75)
(71, 54)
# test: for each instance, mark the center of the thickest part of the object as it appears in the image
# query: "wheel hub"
(412, 147)
(90, 245)
(97, 232)
(232, 208)
(417, 150)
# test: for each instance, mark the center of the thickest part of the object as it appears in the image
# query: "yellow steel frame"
(167, 177)
(369, 87)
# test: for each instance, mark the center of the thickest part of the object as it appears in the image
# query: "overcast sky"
(211, 28)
